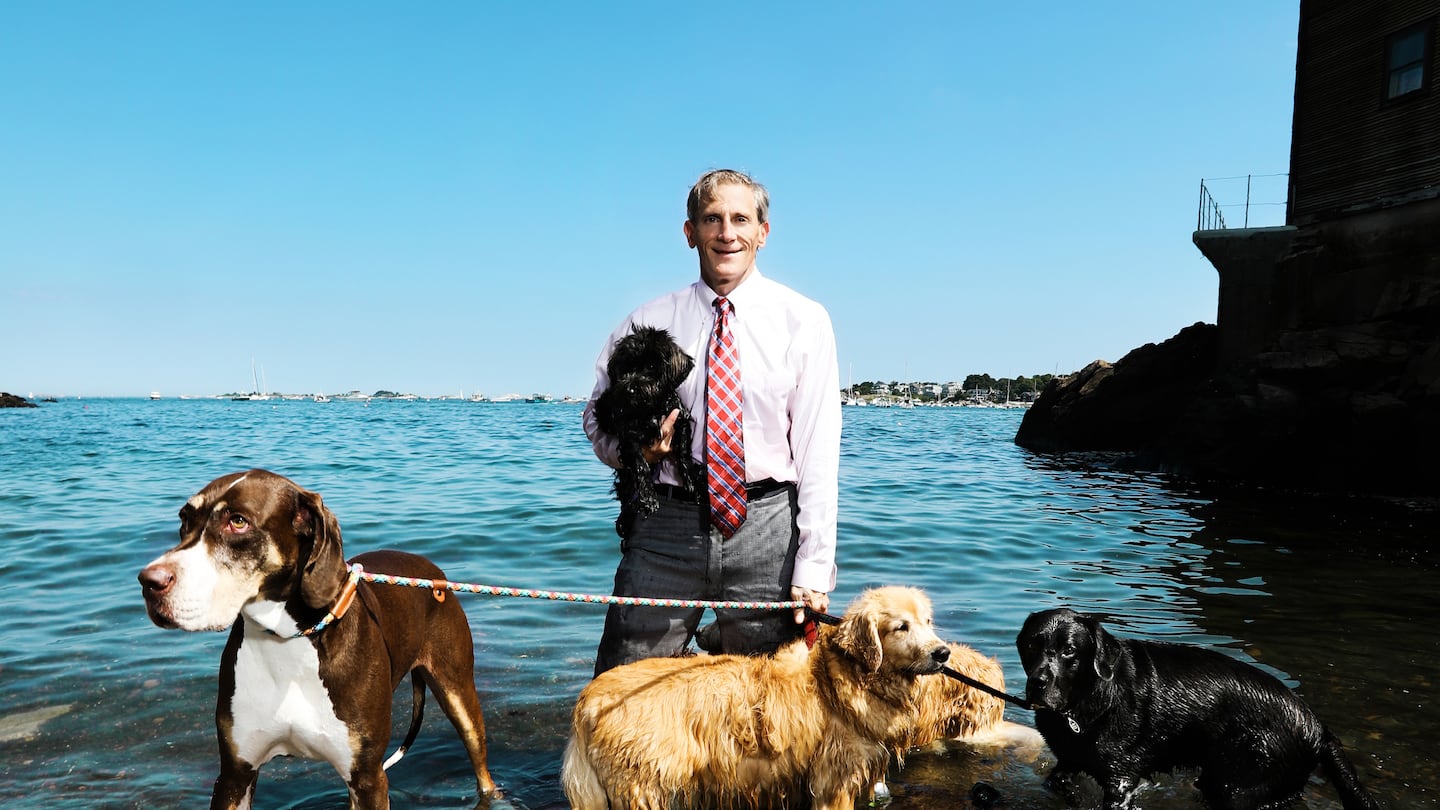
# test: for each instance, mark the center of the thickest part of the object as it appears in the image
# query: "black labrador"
(1122, 710)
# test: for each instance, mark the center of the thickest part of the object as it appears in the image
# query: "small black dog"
(645, 369)
(1122, 710)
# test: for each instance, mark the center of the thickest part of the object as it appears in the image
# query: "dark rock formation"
(1349, 409)
(13, 401)
(1133, 405)
(1337, 388)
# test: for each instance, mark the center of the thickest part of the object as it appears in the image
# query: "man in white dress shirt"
(784, 546)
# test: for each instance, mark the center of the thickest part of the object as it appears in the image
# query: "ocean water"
(99, 708)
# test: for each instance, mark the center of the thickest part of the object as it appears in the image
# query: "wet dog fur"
(261, 556)
(804, 727)
(645, 369)
(949, 709)
(1122, 710)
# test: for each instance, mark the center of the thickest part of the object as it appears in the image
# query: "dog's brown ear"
(1107, 649)
(323, 575)
(859, 636)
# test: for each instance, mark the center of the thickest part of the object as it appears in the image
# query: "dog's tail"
(581, 783)
(417, 713)
(1353, 795)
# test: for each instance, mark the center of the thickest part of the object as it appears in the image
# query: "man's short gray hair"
(704, 191)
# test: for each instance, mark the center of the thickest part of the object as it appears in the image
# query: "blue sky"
(444, 197)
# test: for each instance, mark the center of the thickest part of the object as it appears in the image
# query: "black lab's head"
(1064, 653)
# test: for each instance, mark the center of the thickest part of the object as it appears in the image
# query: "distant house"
(1363, 209)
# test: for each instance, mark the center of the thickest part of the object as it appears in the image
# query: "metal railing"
(1211, 216)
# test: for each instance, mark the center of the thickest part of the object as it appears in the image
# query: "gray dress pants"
(677, 554)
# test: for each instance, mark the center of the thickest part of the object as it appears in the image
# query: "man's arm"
(815, 443)
(607, 447)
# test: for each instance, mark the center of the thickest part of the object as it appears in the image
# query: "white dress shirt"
(791, 379)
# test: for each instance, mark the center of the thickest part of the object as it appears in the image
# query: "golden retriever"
(949, 709)
(801, 728)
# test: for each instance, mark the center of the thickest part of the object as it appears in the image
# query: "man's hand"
(817, 601)
(660, 448)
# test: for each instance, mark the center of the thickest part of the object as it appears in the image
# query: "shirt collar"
(747, 291)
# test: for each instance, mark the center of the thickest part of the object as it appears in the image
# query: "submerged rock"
(25, 725)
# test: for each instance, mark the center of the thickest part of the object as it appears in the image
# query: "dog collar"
(342, 604)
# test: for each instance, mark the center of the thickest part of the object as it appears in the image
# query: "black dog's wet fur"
(645, 369)
(1144, 707)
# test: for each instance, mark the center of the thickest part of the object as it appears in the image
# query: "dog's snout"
(940, 654)
(157, 578)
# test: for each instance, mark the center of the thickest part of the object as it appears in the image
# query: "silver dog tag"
(1074, 726)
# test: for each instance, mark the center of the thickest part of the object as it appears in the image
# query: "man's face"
(727, 233)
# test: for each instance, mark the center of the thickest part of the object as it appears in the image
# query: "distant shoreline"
(857, 402)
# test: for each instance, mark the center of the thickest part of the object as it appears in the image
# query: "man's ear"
(689, 234)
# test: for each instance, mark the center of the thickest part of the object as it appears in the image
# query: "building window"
(1407, 57)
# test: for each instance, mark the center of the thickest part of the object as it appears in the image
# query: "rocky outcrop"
(1354, 409)
(13, 401)
(1341, 392)
(1133, 405)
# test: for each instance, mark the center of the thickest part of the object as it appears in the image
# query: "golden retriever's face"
(892, 629)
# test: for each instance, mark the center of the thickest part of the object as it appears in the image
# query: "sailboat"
(909, 400)
(256, 392)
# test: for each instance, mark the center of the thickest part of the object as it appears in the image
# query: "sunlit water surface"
(99, 708)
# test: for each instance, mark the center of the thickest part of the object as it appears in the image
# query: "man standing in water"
(766, 397)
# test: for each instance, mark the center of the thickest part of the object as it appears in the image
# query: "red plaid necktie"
(725, 426)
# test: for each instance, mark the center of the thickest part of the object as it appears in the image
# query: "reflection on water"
(1333, 596)
(1340, 597)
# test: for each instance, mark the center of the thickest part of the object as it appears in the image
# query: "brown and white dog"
(810, 727)
(262, 556)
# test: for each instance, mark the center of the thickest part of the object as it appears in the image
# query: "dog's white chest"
(281, 708)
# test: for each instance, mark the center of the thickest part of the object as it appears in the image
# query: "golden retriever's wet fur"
(949, 709)
(802, 728)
